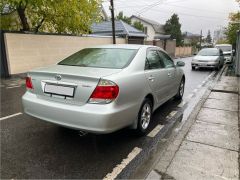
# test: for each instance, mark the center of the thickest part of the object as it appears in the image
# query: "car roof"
(223, 45)
(210, 48)
(124, 46)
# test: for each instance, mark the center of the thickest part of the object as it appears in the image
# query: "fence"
(170, 47)
(183, 51)
(28, 51)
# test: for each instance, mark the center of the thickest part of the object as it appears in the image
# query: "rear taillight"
(105, 92)
(29, 83)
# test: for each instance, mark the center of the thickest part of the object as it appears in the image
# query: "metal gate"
(135, 40)
(4, 64)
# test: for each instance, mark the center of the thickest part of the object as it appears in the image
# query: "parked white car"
(227, 51)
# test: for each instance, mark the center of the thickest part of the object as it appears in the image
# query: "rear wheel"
(144, 117)
(180, 92)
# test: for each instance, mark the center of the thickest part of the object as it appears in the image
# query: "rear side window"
(112, 58)
(153, 60)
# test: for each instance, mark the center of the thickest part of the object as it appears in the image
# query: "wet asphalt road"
(31, 148)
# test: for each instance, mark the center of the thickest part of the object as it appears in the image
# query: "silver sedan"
(208, 58)
(105, 88)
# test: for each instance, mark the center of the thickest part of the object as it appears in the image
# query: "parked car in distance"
(208, 58)
(105, 88)
(227, 51)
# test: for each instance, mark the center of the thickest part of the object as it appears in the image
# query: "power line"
(156, 4)
(167, 4)
(218, 12)
(150, 6)
(192, 15)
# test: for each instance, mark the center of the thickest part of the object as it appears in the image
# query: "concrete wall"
(170, 45)
(171, 48)
(237, 61)
(159, 43)
(28, 51)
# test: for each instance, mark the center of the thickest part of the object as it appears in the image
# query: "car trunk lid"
(67, 84)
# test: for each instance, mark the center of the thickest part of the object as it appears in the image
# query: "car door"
(170, 67)
(156, 75)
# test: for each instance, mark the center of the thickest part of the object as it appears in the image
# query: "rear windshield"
(101, 58)
(209, 52)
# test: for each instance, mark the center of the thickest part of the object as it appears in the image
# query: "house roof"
(121, 29)
(158, 28)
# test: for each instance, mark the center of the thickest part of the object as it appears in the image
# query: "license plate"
(59, 90)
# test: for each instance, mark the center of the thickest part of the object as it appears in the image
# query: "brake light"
(29, 83)
(105, 92)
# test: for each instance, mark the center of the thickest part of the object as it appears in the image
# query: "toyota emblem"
(58, 77)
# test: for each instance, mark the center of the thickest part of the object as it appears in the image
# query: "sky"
(194, 15)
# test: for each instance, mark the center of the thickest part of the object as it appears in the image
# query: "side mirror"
(180, 64)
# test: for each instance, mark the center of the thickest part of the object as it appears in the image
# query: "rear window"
(101, 58)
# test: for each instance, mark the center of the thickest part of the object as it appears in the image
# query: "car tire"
(144, 117)
(180, 92)
(218, 67)
(193, 67)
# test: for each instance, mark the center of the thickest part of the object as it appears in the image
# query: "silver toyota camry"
(208, 58)
(105, 88)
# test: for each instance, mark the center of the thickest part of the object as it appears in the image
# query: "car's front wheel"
(218, 67)
(144, 117)
(180, 92)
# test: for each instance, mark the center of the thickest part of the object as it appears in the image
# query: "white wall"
(28, 51)
(150, 30)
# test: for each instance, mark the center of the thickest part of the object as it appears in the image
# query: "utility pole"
(113, 21)
(201, 39)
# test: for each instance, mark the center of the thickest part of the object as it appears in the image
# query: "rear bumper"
(205, 64)
(89, 117)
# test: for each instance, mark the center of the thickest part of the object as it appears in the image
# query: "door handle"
(151, 78)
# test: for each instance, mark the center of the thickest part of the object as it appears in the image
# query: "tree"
(233, 27)
(61, 16)
(222, 41)
(138, 25)
(173, 27)
(209, 37)
(126, 19)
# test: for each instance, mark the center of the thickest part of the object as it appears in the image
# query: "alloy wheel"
(181, 88)
(146, 116)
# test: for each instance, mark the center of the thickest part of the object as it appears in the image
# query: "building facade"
(152, 28)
